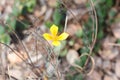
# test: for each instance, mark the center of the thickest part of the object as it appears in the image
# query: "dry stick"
(21, 44)
(36, 41)
(94, 41)
(49, 54)
(83, 12)
(23, 48)
(80, 69)
(76, 19)
(58, 76)
(14, 52)
(72, 15)
(69, 10)
(96, 21)
(36, 47)
(75, 65)
(56, 67)
(24, 23)
(2, 69)
(26, 52)
(8, 74)
(66, 21)
(17, 47)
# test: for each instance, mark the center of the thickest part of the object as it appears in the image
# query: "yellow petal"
(63, 36)
(47, 36)
(54, 30)
(56, 43)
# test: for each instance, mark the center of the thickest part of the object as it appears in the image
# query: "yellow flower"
(54, 37)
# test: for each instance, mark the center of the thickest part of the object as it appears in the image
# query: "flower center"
(55, 38)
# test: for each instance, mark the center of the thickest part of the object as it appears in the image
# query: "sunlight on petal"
(54, 30)
(56, 43)
(63, 36)
(47, 36)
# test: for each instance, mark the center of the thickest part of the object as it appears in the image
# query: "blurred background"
(24, 54)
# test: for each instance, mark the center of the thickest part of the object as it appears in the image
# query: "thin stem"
(21, 44)
(96, 21)
(66, 21)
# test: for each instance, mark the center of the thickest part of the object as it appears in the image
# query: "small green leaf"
(58, 17)
(61, 47)
(100, 34)
(2, 30)
(79, 33)
(30, 5)
(81, 61)
(118, 41)
(63, 53)
(11, 23)
(78, 77)
(5, 38)
(48, 24)
(71, 42)
(112, 13)
(69, 77)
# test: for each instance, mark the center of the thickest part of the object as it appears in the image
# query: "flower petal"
(63, 36)
(47, 36)
(56, 43)
(54, 30)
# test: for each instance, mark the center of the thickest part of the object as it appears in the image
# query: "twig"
(80, 69)
(96, 29)
(3, 67)
(8, 74)
(96, 26)
(21, 44)
(66, 21)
